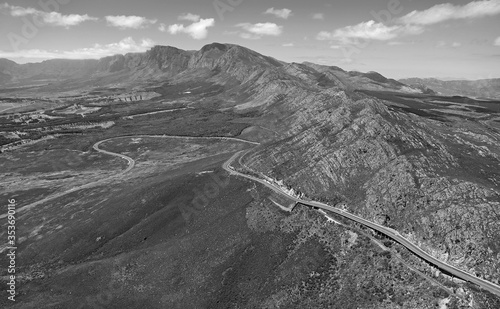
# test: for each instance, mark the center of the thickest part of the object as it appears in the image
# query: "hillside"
(120, 169)
(222, 61)
(481, 89)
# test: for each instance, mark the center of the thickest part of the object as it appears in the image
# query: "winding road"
(130, 166)
(489, 286)
(395, 235)
(131, 162)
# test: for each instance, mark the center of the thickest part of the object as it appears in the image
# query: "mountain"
(481, 89)
(158, 61)
(397, 155)
(219, 62)
(434, 180)
(7, 67)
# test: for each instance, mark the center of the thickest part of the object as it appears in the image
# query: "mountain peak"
(228, 61)
(216, 46)
(164, 48)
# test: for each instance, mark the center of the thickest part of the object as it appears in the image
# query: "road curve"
(131, 164)
(489, 286)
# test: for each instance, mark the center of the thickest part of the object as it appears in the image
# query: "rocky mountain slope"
(484, 88)
(434, 179)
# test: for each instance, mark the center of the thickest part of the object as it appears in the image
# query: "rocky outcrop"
(434, 182)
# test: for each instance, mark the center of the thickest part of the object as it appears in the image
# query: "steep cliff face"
(160, 61)
(168, 59)
(233, 60)
(436, 182)
(112, 64)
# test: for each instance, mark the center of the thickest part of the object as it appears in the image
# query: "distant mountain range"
(481, 89)
(220, 62)
(425, 165)
(227, 64)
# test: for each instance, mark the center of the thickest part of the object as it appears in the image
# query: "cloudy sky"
(398, 38)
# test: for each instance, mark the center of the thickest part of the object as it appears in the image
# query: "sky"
(397, 38)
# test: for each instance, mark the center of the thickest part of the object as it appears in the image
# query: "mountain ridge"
(160, 62)
(424, 165)
(481, 89)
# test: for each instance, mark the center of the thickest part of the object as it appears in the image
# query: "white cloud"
(197, 30)
(127, 45)
(283, 13)
(447, 11)
(368, 31)
(441, 44)
(397, 43)
(288, 45)
(319, 16)
(190, 17)
(249, 36)
(413, 23)
(444, 44)
(497, 42)
(129, 22)
(256, 31)
(48, 18)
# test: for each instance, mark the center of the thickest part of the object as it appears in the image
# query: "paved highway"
(131, 162)
(489, 286)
